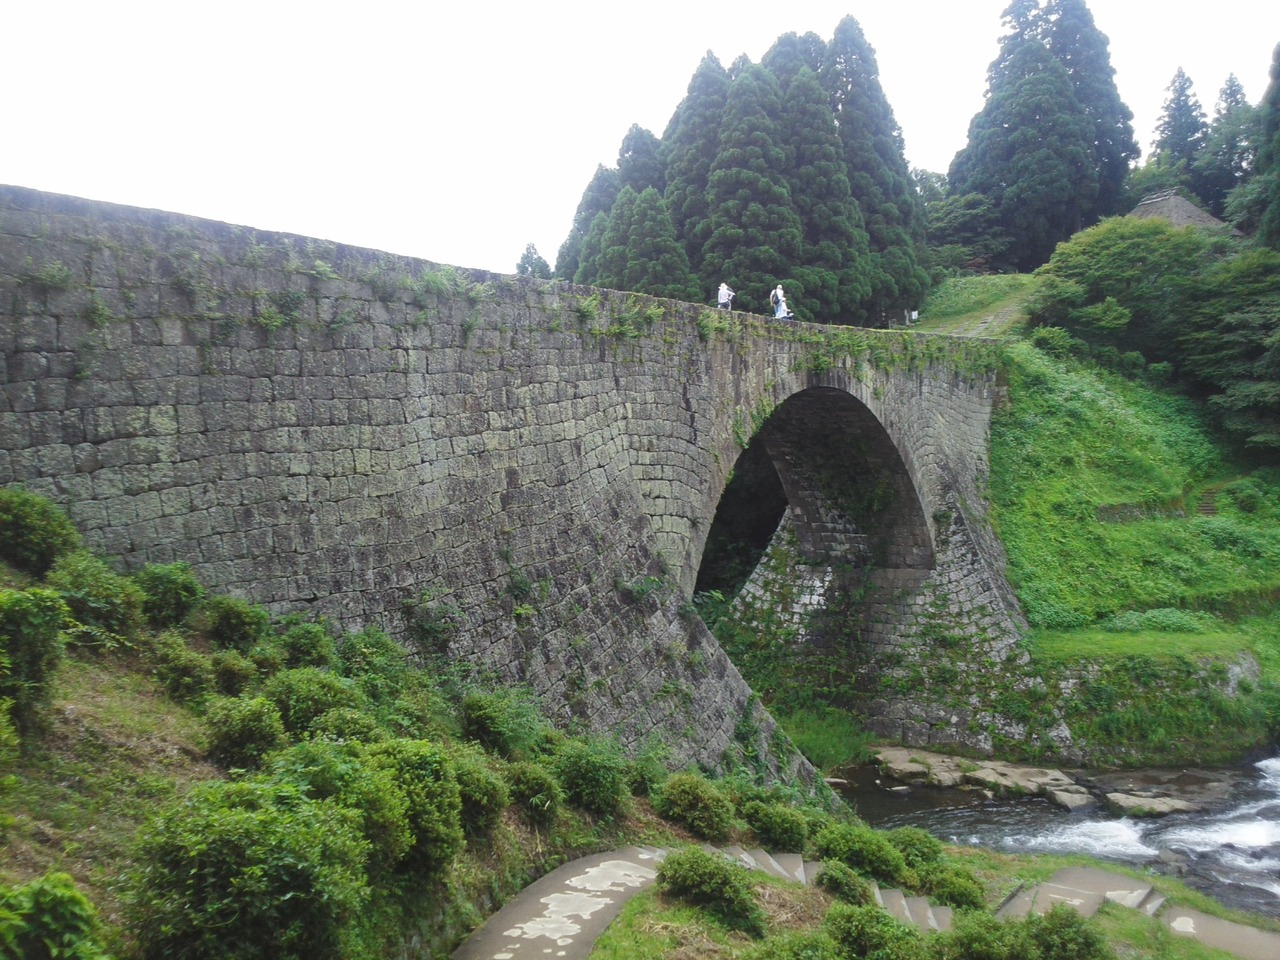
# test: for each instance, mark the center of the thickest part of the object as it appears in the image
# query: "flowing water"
(1231, 851)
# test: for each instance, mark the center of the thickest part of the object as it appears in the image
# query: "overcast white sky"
(461, 134)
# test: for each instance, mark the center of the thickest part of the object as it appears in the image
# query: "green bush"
(483, 793)
(304, 693)
(246, 870)
(31, 642)
(184, 673)
(345, 723)
(267, 656)
(1062, 934)
(863, 849)
(845, 884)
(980, 936)
(695, 803)
(777, 825)
(868, 931)
(917, 846)
(233, 672)
(170, 592)
(33, 531)
(424, 773)
(48, 919)
(235, 624)
(710, 881)
(953, 885)
(325, 770)
(505, 721)
(243, 730)
(648, 769)
(103, 601)
(376, 663)
(309, 645)
(797, 945)
(535, 790)
(593, 774)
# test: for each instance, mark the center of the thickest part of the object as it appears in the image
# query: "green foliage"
(234, 624)
(845, 884)
(51, 277)
(1163, 620)
(432, 624)
(243, 730)
(170, 592)
(425, 774)
(302, 694)
(593, 775)
(233, 672)
(185, 674)
(309, 645)
(238, 866)
(48, 919)
(376, 663)
(532, 264)
(980, 936)
(865, 850)
(710, 881)
(347, 724)
(505, 721)
(31, 647)
(959, 297)
(535, 790)
(797, 945)
(918, 847)
(953, 885)
(777, 825)
(106, 604)
(868, 931)
(828, 737)
(648, 769)
(695, 803)
(483, 793)
(33, 531)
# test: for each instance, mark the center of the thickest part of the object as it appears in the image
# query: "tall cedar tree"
(831, 282)
(596, 199)
(1268, 163)
(1227, 156)
(755, 233)
(611, 266)
(689, 148)
(791, 53)
(1077, 44)
(639, 161)
(589, 253)
(656, 262)
(877, 169)
(1030, 150)
(532, 264)
(1181, 129)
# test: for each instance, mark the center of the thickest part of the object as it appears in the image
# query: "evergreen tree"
(792, 53)
(1268, 161)
(1030, 151)
(755, 234)
(597, 198)
(1081, 48)
(689, 148)
(1227, 156)
(831, 282)
(640, 164)
(655, 261)
(1182, 127)
(588, 271)
(611, 265)
(532, 265)
(877, 169)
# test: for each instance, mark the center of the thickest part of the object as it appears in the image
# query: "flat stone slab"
(1247, 942)
(1071, 798)
(1112, 886)
(941, 770)
(559, 916)
(1046, 896)
(1149, 805)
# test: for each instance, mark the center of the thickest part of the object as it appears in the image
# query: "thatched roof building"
(1177, 209)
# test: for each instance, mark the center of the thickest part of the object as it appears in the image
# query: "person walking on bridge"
(724, 299)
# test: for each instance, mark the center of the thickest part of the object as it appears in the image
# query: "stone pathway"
(560, 916)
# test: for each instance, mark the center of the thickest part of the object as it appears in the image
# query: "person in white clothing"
(779, 301)
(724, 299)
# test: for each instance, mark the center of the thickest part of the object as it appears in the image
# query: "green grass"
(1086, 644)
(976, 306)
(828, 738)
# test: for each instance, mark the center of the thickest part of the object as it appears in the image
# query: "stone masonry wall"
(338, 431)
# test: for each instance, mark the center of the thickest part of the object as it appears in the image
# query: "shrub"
(917, 846)
(345, 723)
(33, 531)
(863, 849)
(242, 870)
(242, 731)
(1062, 934)
(267, 656)
(868, 931)
(31, 641)
(235, 624)
(648, 769)
(303, 694)
(233, 672)
(325, 770)
(779, 827)
(424, 773)
(375, 662)
(844, 884)
(48, 919)
(506, 722)
(694, 802)
(100, 599)
(184, 673)
(980, 936)
(170, 592)
(1055, 341)
(953, 885)
(482, 792)
(710, 881)
(593, 774)
(797, 945)
(309, 645)
(535, 789)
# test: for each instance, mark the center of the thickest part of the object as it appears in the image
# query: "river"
(1231, 851)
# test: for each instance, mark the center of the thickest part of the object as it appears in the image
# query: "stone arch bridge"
(524, 473)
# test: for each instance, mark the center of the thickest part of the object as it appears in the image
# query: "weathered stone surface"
(314, 427)
(1148, 805)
